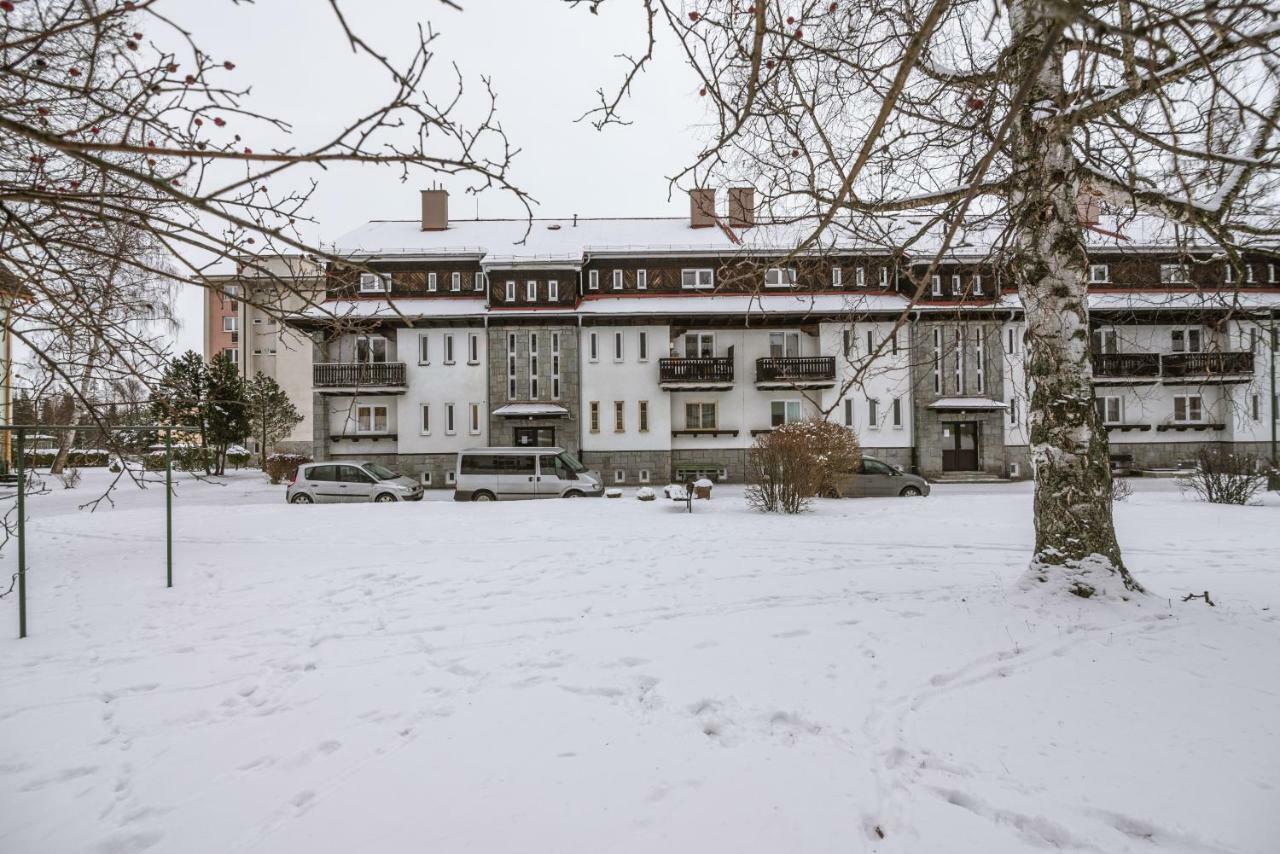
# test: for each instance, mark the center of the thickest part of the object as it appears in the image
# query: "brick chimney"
(742, 207)
(435, 210)
(1088, 206)
(702, 207)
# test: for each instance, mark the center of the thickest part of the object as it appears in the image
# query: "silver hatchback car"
(350, 480)
(874, 477)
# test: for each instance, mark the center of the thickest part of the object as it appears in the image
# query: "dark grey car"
(349, 481)
(876, 478)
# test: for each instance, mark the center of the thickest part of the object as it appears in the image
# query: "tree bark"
(1076, 547)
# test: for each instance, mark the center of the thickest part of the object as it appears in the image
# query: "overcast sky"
(545, 59)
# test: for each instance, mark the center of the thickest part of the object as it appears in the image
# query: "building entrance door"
(960, 441)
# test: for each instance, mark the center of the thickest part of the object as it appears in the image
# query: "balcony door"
(1188, 340)
(1105, 342)
(371, 350)
(699, 345)
(784, 345)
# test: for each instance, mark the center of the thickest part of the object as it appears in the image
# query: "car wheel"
(302, 498)
(911, 492)
(482, 496)
(573, 493)
(384, 497)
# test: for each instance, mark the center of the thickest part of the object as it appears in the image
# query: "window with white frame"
(956, 288)
(450, 426)
(448, 349)
(371, 418)
(642, 280)
(873, 412)
(473, 349)
(617, 347)
(979, 360)
(850, 341)
(937, 285)
(474, 419)
(783, 412)
(511, 366)
(424, 419)
(859, 277)
(937, 360)
(643, 420)
(450, 477)
(455, 282)
(426, 478)
(373, 283)
(371, 349)
(1186, 340)
(960, 348)
(643, 350)
(1188, 408)
(257, 351)
(896, 410)
(699, 345)
(233, 354)
(481, 280)
(848, 412)
(697, 278)
(424, 349)
(1174, 274)
(1011, 345)
(619, 416)
(555, 365)
(784, 345)
(1110, 409)
(700, 416)
(619, 476)
(593, 280)
(533, 366)
(643, 476)
(531, 290)
(431, 282)
(884, 277)
(553, 290)
(1013, 411)
(617, 280)
(1105, 341)
(593, 346)
(593, 416)
(976, 281)
(1099, 274)
(229, 324)
(509, 292)
(779, 277)
(837, 277)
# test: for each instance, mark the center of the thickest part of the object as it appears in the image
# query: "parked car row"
(507, 474)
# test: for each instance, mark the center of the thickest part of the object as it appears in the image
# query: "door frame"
(950, 453)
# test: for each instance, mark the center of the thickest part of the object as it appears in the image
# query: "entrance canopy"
(967, 404)
(531, 410)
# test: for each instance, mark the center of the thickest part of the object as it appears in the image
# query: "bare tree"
(996, 122)
(115, 124)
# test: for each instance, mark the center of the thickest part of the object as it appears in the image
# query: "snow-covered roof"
(570, 241)
(960, 403)
(743, 304)
(531, 409)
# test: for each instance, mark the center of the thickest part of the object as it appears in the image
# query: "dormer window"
(531, 290)
(837, 277)
(432, 279)
(455, 282)
(884, 277)
(617, 280)
(860, 277)
(977, 283)
(1174, 274)
(1099, 274)
(509, 294)
(373, 283)
(779, 277)
(699, 278)
(553, 290)
(642, 279)
(593, 280)
(481, 281)
(937, 285)
(956, 288)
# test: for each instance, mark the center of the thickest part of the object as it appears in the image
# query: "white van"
(492, 474)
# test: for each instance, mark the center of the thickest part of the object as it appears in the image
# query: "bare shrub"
(1221, 477)
(70, 477)
(1121, 489)
(283, 466)
(790, 465)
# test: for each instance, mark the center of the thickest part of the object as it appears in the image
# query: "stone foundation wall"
(732, 460)
(632, 464)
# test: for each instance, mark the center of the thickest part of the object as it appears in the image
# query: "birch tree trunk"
(1076, 546)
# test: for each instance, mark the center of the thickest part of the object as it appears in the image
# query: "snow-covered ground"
(614, 675)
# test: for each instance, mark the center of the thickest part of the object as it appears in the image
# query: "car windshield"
(379, 472)
(569, 460)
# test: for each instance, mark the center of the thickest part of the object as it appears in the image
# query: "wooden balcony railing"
(1207, 364)
(357, 374)
(778, 369)
(1126, 364)
(718, 370)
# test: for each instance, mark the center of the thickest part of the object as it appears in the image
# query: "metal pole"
(22, 534)
(1275, 416)
(168, 505)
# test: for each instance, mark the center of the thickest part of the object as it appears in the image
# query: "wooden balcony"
(358, 377)
(796, 372)
(1126, 365)
(1199, 366)
(694, 374)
